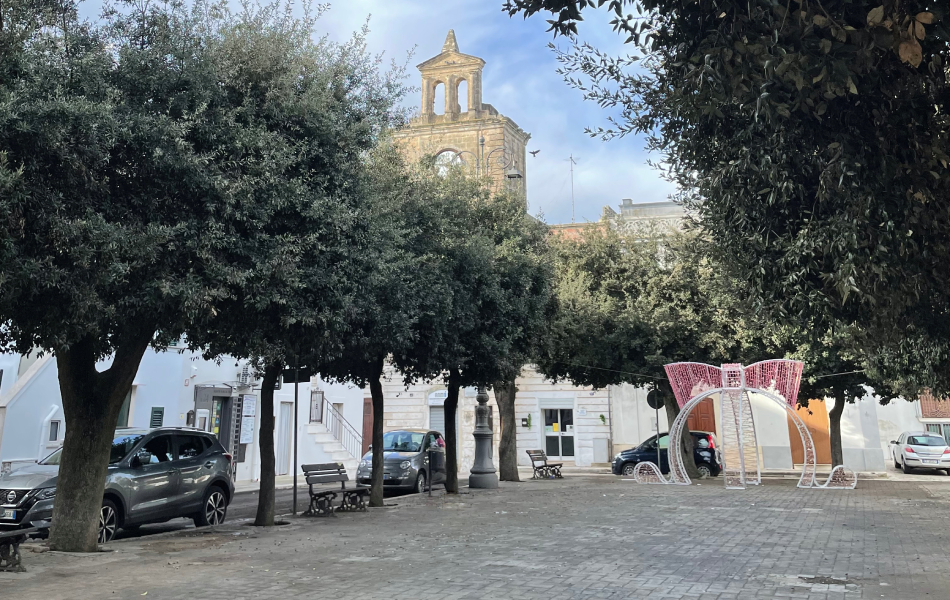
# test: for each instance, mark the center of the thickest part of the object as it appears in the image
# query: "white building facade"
(176, 387)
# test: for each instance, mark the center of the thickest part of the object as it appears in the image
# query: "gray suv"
(406, 454)
(154, 475)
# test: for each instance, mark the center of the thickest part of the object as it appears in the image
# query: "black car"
(704, 453)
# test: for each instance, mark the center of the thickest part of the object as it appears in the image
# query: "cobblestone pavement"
(577, 538)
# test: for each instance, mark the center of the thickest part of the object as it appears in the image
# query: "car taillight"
(946, 450)
(909, 449)
(229, 457)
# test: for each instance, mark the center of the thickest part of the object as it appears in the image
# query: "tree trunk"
(450, 408)
(834, 419)
(508, 446)
(688, 444)
(376, 390)
(265, 441)
(91, 405)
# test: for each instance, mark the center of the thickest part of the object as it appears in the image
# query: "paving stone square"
(583, 537)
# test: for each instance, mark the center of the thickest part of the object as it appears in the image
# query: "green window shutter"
(158, 416)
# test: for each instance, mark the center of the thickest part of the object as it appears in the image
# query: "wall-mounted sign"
(582, 412)
(247, 431)
(250, 407)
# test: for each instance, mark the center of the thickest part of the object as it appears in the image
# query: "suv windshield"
(926, 440)
(121, 446)
(402, 441)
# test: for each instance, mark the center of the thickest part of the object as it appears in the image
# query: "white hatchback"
(920, 450)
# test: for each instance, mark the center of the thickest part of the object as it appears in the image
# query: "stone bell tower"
(465, 130)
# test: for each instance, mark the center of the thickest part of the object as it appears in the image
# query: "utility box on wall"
(600, 450)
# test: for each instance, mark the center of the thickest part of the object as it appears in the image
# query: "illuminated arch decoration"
(777, 380)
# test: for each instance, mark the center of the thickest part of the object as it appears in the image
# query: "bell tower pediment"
(450, 68)
(489, 143)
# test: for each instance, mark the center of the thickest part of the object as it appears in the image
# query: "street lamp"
(483, 471)
(478, 165)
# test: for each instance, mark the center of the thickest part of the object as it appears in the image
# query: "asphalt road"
(243, 506)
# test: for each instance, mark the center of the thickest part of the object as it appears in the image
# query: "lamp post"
(478, 163)
(483, 471)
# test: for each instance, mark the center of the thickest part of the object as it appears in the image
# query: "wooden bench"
(321, 498)
(542, 468)
(10, 548)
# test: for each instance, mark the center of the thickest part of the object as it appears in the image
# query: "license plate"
(7, 513)
(931, 462)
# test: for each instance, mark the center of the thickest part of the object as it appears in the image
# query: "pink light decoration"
(783, 376)
(689, 379)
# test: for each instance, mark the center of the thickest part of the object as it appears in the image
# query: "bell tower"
(478, 136)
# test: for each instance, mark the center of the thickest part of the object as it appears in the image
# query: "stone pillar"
(483, 471)
(427, 99)
(452, 95)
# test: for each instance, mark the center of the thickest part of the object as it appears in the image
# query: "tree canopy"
(160, 166)
(810, 138)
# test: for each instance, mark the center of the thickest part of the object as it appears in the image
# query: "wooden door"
(815, 417)
(367, 424)
(703, 417)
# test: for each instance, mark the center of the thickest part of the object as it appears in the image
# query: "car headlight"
(617, 457)
(366, 463)
(405, 464)
(46, 493)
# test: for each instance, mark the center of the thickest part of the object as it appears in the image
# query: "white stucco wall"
(771, 430)
(27, 410)
(633, 419)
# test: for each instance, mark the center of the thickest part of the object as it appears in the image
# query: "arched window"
(462, 90)
(438, 96)
(446, 160)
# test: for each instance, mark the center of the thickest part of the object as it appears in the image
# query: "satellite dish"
(655, 399)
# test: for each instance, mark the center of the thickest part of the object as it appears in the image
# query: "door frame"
(545, 436)
(289, 434)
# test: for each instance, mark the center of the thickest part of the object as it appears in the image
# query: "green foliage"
(629, 304)
(304, 114)
(812, 140)
(496, 281)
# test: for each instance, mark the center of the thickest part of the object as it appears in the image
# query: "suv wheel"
(628, 469)
(108, 521)
(704, 471)
(214, 508)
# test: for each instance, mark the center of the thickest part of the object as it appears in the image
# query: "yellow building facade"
(465, 130)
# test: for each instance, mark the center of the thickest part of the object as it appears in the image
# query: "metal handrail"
(341, 429)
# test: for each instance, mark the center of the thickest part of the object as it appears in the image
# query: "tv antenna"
(573, 162)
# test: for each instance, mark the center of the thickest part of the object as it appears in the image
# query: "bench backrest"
(324, 473)
(537, 456)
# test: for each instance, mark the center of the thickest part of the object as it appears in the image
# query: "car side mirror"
(893, 441)
(136, 462)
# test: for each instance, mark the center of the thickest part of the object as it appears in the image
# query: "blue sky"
(520, 81)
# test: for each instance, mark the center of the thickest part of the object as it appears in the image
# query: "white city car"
(920, 450)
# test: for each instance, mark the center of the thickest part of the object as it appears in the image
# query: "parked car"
(406, 460)
(154, 475)
(920, 449)
(704, 453)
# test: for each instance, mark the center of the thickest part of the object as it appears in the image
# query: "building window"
(158, 416)
(123, 420)
(54, 431)
(940, 429)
